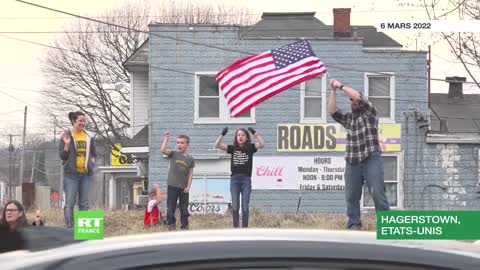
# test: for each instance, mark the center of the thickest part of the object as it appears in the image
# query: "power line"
(23, 72)
(450, 61)
(396, 75)
(69, 32)
(310, 91)
(314, 91)
(54, 47)
(11, 120)
(21, 89)
(216, 15)
(34, 107)
(10, 112)
(121, 17)
(46, 173)
(159, 31)
(206, 45)
(36, 43)
(195, 30)
(45, 164)
(132, 29)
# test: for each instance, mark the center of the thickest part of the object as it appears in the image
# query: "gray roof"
(305, 25)
(286, 25)
(372, 38)
(462, 115)
(139, 57)
(274, 25)
(140, 139)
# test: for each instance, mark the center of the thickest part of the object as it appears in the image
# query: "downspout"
(405, 168)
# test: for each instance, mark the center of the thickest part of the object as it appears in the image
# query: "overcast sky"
(21, 78)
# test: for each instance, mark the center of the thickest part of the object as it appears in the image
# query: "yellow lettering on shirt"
(81, 145)
(181, 165)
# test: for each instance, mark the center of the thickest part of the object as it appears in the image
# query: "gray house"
(451, 166)
(301, 166)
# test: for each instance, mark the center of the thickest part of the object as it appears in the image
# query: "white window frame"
(390, 119)
(224, 114)
(400, 194)
(323, 96)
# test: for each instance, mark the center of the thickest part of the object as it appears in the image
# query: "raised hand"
(335, 84)
(38, 217)
(66, 139)
(224, 131)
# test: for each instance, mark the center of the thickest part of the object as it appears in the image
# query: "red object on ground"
(54, 196)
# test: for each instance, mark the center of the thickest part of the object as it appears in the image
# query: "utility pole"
(429, 73)
(429, 70)
(11, 168)
(22, 157)
(54, 130)
(33, 167)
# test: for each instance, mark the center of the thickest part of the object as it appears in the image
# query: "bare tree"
(10, 161)
(464, 45)
(201, 13)
(85, 72)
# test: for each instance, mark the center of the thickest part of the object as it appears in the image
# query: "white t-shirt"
(151, 204)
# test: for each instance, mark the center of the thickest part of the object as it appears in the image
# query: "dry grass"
(121, 222)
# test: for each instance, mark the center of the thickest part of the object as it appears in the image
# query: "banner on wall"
(117, 158)
(209, 195)
(330, 137)
(317, 173)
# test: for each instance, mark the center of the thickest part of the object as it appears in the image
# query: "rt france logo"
(88, 225)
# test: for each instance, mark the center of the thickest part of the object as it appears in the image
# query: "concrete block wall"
(440, 176)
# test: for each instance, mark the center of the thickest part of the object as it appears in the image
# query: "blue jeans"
(240, 184)
(74, 184)
(175, 194)
(371, 172)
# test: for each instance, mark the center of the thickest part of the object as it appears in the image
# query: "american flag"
(253, 79)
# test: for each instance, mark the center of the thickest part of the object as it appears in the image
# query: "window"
(380, 90)
(313, 100)
(391, 168)
(211, 105)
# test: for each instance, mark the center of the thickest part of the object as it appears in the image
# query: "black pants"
(174, 194)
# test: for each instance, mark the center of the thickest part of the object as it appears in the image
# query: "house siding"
(172, 107)
(140, 101)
